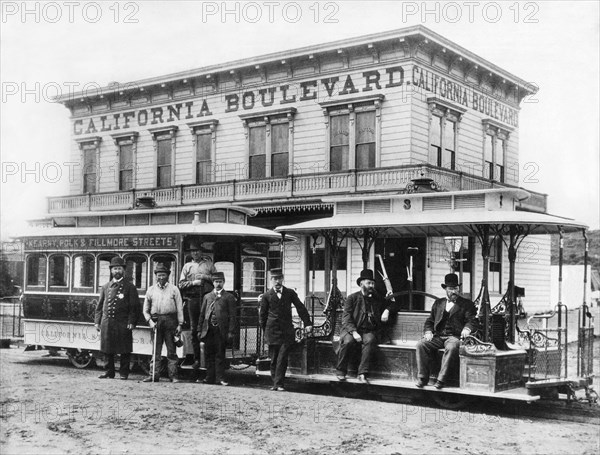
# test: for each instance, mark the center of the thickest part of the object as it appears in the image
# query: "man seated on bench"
(451, 319)
(361, 319)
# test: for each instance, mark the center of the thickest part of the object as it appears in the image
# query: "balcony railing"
(300, 186)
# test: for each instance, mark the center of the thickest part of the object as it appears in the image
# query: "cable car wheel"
(80, 358)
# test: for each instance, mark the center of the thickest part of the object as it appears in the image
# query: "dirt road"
(48, 406)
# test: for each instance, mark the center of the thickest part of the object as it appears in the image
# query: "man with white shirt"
(451, 319)
(163, 309)
(216, 326)
(276, 323)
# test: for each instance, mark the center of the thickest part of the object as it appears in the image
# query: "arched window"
(58, 272)
(253, 277)
(137, 270)
(228, 270)
(36, 272)
(170, 261)
(83, 273)
(103, 269)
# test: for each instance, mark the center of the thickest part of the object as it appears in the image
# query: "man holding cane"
(163, 309)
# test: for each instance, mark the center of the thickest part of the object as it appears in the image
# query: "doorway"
(396, 254)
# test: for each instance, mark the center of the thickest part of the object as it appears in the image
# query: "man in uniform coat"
(451, 319)
(361, 320)
(276, 323)
(116, 316)
(216, 325)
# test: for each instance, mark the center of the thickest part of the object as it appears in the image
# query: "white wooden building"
(342, 126)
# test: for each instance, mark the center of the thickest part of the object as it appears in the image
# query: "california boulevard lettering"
(315, 90)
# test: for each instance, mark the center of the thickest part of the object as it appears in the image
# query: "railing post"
(133, 198)
(180, 194)
(290, 185)
(89, 202)
(233, 190)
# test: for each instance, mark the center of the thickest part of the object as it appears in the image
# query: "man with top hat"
(363, 313)
(196, 281)
(276, 323)
(451, 319)
(216, 326)
(163, 309)
(116, 316)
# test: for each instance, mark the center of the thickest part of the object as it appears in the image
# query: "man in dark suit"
(194, 283)
(361, 320)
(276, 324)
(216, 325)
(116, 316)
(451, 319)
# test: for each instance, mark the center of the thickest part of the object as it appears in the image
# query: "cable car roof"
(436, 223)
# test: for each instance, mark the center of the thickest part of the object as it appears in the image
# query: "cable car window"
(253, 277)
(103, 270)
(166, 259)
(217, 216)
(137, 270)
(237, 217)
(58, 267)
(83, 273)
(36, 271)
(228, 269)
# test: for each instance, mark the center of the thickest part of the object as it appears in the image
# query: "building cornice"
(417, 35)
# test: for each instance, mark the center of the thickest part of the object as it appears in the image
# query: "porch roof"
(436, 223)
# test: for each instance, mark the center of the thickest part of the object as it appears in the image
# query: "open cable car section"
(503, 356)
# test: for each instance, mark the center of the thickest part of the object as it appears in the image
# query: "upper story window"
(269, 143)
(353, 132)
(126, 160)
(90, 158)
(444, 121)
(495, 142)
(164, 146)
(204, 136)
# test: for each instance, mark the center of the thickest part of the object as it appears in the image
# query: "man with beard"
(116, 316)
(163, 309)
(195, 281)
(276, 323)
(216, 326)
(451, 319)
(361, 321)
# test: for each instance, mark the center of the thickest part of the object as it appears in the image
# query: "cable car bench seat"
(395, 357)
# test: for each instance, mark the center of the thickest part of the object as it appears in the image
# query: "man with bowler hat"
(196, 281)
(363, 313)
(276, 323)
(116, 316)
(216, 326)
(451, 319)
(163, 309)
